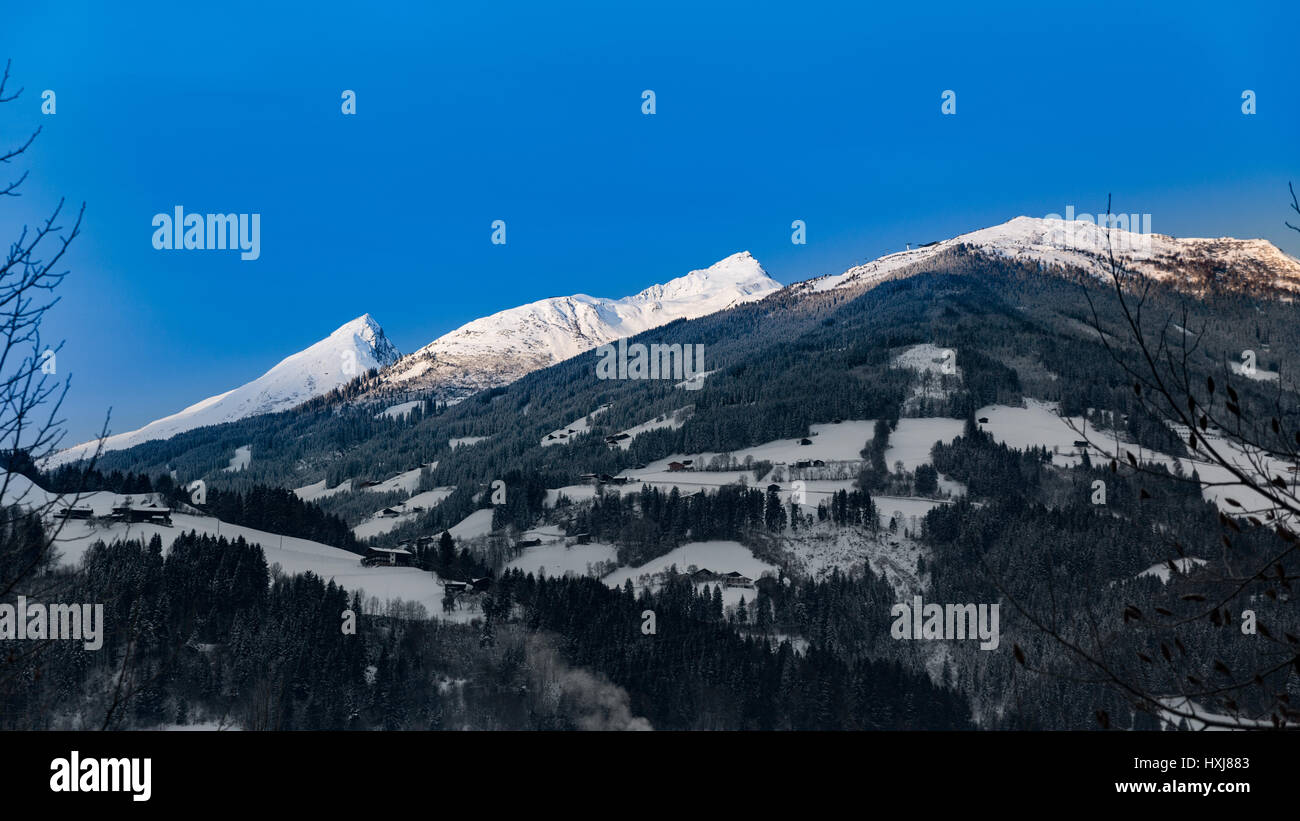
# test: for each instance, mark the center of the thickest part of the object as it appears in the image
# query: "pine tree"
(446, 553)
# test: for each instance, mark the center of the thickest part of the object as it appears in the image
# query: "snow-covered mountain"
(1194, 264)
(500, 348)
(348, 352)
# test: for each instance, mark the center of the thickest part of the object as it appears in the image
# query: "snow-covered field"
(476, 524)
(466, 441)
(555, 559)
(1039, 424)
(1257, 373)
(242, 458)
(837, 445)
(828, 442)
(575, 493)
(317, 490)
(1252, 464)
(672, 420)
(407, 511)
(399, 410)
(911, 441)
(405, 482)
(561, 436)
(428, 499)
(717, 556)
(294, 555)
(928, 358)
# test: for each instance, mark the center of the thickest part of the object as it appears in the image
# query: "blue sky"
(531, 113)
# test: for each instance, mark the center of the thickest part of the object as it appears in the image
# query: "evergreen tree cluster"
(277, 510)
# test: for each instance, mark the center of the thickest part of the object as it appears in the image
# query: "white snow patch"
(476, 524)
(695, 382)
(399, 410)
(1257, 373)
(556, 559)
(913, 439)
(575, 493)
(1162, 572)
(466, 441)
(407, 511)
(578, 427)
(718, 556)
(672, 420)
(317, 490)
(242, 458)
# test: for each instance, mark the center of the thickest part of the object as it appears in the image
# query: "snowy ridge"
(1194, 263)
(350, 351)
(500, 348)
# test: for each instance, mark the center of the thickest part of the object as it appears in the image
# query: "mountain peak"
(739, 275)
(500, 348)
(363, 321)
(366, 331)
(351, 350)
(1251, 265)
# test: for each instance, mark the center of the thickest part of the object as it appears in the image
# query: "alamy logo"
(1132, 232)
(211, 232)
(946, 621)
(60, 622)
(129, 775)
(655, 361)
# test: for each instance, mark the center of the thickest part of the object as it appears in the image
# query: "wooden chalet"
(387, 556)
(735, 579)
(142, 514)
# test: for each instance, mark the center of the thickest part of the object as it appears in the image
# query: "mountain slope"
(1194, 264)
(500, 348)
(351, 350)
